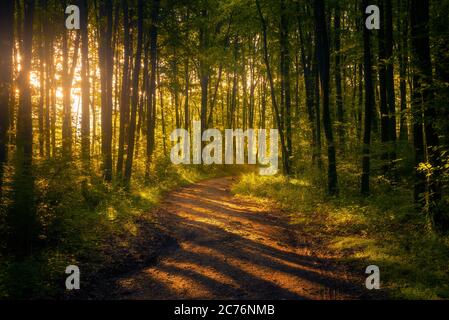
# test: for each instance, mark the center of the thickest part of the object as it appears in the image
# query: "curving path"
(229, 247)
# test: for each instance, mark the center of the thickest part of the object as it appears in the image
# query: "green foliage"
(384, 229)
(81, 217)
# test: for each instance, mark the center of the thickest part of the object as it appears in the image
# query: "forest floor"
(232, 247)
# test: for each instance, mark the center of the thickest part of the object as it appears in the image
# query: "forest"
(86, 116)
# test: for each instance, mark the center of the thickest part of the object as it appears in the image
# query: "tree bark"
(135, 95)
(285, 74)
(338, 86)
(124, 99)
(369, 105)
(22, 215)
(6, 52)
(324, 66)
(423, 103)
(277, 117)
(106, 67)
(151, 108)
(85, 85)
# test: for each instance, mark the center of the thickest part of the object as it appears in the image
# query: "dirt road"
(234, 248)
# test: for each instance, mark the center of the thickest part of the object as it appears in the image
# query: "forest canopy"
(88, 111)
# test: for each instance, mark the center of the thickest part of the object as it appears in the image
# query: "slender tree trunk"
(338, 86)
(85, 85)
(204, 68)
(67, 79)
(390, 92)
(324, 66)
(124, 99)
(161, 98)
(369, 105)
(360, 101)
(145, 89)
(135, 95)
(384, 111)
(175, 88)
(317, 110)
(151, 108)
(403, 62)
(41, 48)
(423, 103)
(285, 72)
(307, 60)
(273, 94)
(186, 94)
(418, 50)
(389, 72)
(22, 215)
(6, 52)
(48, 54)
(106, 67)
(440, 53)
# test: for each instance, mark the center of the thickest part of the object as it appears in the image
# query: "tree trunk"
(323, 62)
(40, 119)
(186, 94)
(85, 85)
(285, 161)
(22, 215)
(48, 53)
(135, 95)
(307, 60)
(384, 111)
(403, 62)
(285, 74)
(106, 67)
(124, 99)
(423, 103)
(67, 79)
(338, 87)
(204, 68)
(369, 105)
(390, 75)
(6, 52)
(151, 108)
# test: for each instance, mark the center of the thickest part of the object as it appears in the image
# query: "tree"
(6, 51)
(369, 105)
(67, 79)
(124, 98)
(85, 84)
(324, 66)
(403, 65)
(204, 68)
(151, 107)
(389, 73)
(23, 226)
(285, 80)
(427, 189)
(277, 116)
(106, 66)
(307, 61)
(135, 94)
(338, 86)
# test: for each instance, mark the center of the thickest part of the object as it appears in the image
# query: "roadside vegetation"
(384, 229)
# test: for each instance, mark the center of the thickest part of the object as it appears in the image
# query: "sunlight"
(34, 80)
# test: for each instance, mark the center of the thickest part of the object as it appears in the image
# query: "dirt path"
(232, 248)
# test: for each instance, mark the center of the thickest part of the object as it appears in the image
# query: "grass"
(384, 229)
(87, 222)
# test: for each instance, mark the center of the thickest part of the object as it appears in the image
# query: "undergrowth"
(384, 229)
(81, 217)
